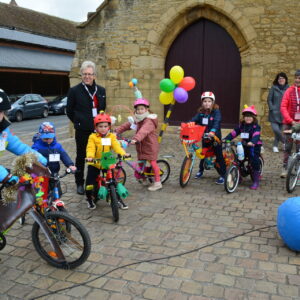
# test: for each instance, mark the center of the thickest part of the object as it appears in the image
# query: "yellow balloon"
(176, 74)
(166, 98)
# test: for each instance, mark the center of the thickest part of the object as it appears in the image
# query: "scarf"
(140, 118)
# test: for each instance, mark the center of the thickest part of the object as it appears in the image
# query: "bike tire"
(164, 168)
(120, 175)
(232, 177)
(261, 168)
(293, 174)
(186, 170)
(114, 203)
(76, 246)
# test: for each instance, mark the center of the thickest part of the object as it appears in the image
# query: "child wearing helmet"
(10, 142)
(45, 142)
(250, 134)
(145, 138)
(99, 142)
(209, 115)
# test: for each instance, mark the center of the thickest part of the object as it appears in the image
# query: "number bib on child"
(106, 141)
(245, 135)
(54, 157)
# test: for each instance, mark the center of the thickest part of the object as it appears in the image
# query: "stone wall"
(131, 39)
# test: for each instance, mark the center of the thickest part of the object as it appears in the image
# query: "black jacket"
(80, 106)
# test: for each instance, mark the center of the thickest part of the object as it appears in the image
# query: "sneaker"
(156, 186)
(199, 175)
(122, 204)
(220, 180)
(283, 173)
(91, 204)
(275, 149)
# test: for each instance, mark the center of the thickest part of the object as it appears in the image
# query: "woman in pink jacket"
(290, 110)
(145, 138)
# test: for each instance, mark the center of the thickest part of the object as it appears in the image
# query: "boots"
(255, 184)
(89, 198)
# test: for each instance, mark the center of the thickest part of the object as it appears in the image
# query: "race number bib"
(54, 157)
(133, 126)
(2, 145)
(245, 135)
(204, 121)
(106, 141)
(94, 112)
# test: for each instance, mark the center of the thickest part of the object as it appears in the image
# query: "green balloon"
(167, 85)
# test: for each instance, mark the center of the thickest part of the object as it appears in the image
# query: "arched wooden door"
(208, 53)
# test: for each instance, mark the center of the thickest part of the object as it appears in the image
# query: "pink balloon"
(187, 83)
(180, 95)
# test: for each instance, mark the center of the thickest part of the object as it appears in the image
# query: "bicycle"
(59, 239)
(108, 187)
(190, 135)
(54, 202)
(143, 171)
(239, 169)
(293, 172)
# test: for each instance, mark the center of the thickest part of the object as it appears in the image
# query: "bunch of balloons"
(176, 87)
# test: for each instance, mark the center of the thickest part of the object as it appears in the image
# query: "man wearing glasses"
(85, 101)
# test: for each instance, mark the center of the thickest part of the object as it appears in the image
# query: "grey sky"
(75, 10)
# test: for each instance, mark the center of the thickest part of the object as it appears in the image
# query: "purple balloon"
(180, 95)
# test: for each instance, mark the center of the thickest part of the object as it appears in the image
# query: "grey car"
(28, 106)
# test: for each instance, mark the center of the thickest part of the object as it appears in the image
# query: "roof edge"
(102, 5)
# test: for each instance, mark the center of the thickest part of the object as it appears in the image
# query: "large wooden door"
(208, 53)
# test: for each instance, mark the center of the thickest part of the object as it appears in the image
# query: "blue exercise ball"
(288, 222)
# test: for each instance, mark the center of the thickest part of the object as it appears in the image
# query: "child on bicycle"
(250, 134)
(99, 142)
(209, 115)
(11, 142)
(45, 142)
(145, 138)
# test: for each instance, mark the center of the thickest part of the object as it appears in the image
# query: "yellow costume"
(97, 145)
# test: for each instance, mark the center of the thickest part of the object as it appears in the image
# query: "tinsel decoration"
(20, 165)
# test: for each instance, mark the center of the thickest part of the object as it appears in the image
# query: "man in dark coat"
(85, 101)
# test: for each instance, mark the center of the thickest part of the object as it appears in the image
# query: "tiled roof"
(20, 36)
(11, 57)
(35, 22)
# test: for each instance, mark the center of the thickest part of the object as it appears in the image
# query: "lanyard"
(297, 96)
(92, 96)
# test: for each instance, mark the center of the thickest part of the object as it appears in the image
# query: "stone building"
(232, 47)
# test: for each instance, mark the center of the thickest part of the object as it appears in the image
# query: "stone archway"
(228, 17)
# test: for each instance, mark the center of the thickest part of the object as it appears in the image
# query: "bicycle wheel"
(293, 174)
(120, 175)
(186, 170)
(114, 203)
(75, 244)
(232, 177)
(261, 168)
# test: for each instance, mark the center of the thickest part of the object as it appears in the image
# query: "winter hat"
(47, 130)
(297, 73)
(4, 101)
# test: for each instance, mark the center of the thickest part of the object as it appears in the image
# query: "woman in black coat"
(280, 84)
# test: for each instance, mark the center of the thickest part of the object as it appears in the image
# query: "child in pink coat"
(145, 138)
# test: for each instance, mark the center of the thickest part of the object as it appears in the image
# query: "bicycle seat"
(10, 212)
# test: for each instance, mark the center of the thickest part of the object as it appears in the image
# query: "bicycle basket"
(191, 133)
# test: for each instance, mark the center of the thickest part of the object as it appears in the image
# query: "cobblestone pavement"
(165, 223)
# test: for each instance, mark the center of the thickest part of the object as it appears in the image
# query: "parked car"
(58, 105)
(28, 106)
